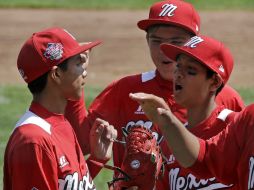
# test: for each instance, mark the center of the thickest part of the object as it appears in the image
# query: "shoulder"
(31, 129)
(139, 78)
(247, 113)
(229, 90)
(230, 98)
(131, 82)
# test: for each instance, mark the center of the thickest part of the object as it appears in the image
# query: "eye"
(192, 71)
(177, 43)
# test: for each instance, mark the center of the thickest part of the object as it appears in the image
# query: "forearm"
(184, 145)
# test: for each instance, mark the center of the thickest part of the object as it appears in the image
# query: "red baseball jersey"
(181, 178)
(43, 153)
(230, 155)
(114, 105)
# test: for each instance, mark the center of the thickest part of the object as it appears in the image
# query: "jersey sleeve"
(219, 156)
(230, 99)
(76, 114)
(31, 166)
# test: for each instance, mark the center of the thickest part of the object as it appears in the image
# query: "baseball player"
(203, 68)
(43, 151)
(170, 21)
(228, 155)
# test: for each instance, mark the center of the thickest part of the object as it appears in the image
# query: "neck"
(51, 101)
(197, 114)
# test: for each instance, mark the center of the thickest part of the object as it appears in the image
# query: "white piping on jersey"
(148, 76)
(31, 118)
(224, 114)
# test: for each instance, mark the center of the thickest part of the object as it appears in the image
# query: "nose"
(178, 74)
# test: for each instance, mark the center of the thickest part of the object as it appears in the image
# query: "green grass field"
(15, 100)
(127, 4)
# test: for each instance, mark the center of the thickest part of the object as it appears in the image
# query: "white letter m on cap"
(192, 43)
(168, 9)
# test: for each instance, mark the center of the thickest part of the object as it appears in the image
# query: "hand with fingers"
(101, 139)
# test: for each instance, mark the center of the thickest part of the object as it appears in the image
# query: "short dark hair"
(154, 27)
(37, 86)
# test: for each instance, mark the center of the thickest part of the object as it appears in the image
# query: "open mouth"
(178, 87)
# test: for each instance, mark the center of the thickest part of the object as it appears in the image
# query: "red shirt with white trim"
(43, 153)
(114, 105)
(182, 178)
(236, 145)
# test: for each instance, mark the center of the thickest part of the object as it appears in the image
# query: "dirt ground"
(124, 50)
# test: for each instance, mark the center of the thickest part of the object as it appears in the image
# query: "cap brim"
(84, 46)
(173, 52)
(89, 45)
(144, 24)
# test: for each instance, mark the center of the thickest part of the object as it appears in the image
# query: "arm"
(218, 156)
(76, 114)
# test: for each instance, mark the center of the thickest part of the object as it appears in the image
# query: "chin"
(76, 97)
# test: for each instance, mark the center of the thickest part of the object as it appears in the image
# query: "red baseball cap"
(48, 48)
(208, 51)
(173, 12)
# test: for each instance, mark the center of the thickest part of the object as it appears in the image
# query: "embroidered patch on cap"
(54, 51)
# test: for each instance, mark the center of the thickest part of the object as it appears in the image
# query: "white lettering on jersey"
(251, 173)
(171, 159)
(31, 118)
(189, 181)
(71, 182)
(168, 9)
(193, 42)
(146, 124)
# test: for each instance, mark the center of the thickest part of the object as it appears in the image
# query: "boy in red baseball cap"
(202, 70)
(229, 155)
(170, 21)
(43, 152)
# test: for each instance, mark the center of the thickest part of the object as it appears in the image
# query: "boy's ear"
(55, 74)
(217, 82)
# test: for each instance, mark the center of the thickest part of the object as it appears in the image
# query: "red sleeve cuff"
(94, 165)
